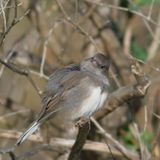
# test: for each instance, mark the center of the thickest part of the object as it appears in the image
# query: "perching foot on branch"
(82, 121)
(80, 141)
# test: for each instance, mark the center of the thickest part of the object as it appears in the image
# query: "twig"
(14, 22)
(124, 94)
(144, 153)
(88, 13)
(4, 6)
(11, 6)
(152, 50)
(38, 74)
(22, 72)
(56, 142)
(3, 15)
(45, 48)
(14, 68)
(34, 85)
(6, 60)
(121, 148)
(15, 10)
(150, 10)
(14, 113)
(78, 27)
(125, 10)
(145, 118)
(116, 80)
(156, 36)
(37, 149)
(156, 115)
(127, 39)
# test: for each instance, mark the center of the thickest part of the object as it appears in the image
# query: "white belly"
(92, 103)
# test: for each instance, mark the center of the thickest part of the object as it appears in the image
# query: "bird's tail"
(34, 126)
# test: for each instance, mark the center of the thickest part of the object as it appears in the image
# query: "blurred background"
(40, 36)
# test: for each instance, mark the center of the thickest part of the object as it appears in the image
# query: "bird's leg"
(82, 121)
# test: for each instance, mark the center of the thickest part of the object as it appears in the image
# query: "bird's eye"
(92, 59)
(102, 67)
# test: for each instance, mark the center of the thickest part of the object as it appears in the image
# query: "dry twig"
(77, 26)
(14, 22)
(56, 142)
(22, 72)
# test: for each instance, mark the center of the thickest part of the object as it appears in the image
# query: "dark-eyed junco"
(77, 90)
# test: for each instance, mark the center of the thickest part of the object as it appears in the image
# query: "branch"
(152, 50)
(124, 151)
(116, 99)
(13, 23)
(80, 141)
(140, 14)
(58, 142)
(126, 93)
(77, 26)
(22, 72)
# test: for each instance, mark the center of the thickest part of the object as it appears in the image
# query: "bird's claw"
(81, 122)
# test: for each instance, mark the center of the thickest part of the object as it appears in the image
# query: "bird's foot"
(82, 121)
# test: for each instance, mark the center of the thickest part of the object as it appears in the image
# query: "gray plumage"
(78, 89)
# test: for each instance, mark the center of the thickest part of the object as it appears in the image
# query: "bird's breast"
(92, 102)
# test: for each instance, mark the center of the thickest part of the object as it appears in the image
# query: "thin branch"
(10, 6)
(45, 47)
(78, 27)
(37, 149)
(129, 154)
(125, 10)
(14, 68)
(152, 50)
(15, 10)
(126, 93)
(145, 118)
(144, 153)
(14, 113)
(89, 12)
(14, 22)
(4, 6)
(150, 10)
(156, 115)
(22, 72)
(55, 142)
(127, 39)
(3, 15)
(156, 36)
(38, 74)
(6, 60)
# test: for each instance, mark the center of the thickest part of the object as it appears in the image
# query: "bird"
(77, 91)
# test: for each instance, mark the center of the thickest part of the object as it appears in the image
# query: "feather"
(34, 126)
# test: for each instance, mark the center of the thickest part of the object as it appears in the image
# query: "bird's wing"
(54, 85)
(65, 84)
